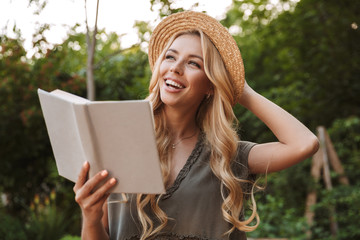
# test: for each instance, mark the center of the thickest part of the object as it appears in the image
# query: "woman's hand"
(91, 195)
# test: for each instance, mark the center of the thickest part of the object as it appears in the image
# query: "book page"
(64, 134)
(126, 146)
(69, 97)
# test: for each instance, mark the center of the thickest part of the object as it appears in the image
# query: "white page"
(63, 133)
(69, 97)
(119, 137)
(126, 144)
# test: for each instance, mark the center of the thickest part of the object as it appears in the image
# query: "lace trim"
(172, 236)
(185, 170)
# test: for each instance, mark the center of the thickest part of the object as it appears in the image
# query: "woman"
(197, 77)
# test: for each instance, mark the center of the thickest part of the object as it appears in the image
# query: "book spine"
(87, 137)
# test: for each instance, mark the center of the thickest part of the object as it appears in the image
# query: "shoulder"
(240, 163)
(243, 151)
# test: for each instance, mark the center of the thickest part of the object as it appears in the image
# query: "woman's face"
(183, 82)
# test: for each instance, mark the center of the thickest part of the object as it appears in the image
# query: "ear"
(210, 91)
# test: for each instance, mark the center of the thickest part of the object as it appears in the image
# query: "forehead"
(187, 43)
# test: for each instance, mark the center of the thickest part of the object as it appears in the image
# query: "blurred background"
(302, 54)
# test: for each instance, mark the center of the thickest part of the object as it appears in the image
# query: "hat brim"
(216, 32)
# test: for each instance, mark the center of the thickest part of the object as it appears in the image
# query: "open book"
(117, 136)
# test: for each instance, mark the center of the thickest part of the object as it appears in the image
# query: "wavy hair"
(215, 117)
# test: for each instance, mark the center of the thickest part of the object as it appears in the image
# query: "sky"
(114, 16)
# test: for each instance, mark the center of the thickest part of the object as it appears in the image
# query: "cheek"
(203, 83)
(163, 68)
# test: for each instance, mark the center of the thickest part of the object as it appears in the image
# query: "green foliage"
(124, 76)
(21, 127)
(69, 237)
(24, 143)
(277, 220)
(249, 15)
(11, 228)
(39, 4)
(347, 130)
(46, 221)
(307, 61)
(143, 30)
(345, 200)
(304, 57)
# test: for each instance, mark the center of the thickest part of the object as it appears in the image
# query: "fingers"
(82, 176)
(91, 184)
(94, 189)
(101, 200)
(91, 194)
(96, 186)
(93, 203)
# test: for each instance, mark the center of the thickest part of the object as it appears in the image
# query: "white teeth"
(174, 84)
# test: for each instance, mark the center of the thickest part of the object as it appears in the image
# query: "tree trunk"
(327, 179)
(317, 164)
(335, 161)
(91, 43)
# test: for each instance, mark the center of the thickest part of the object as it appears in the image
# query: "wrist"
(247, 97)
(91, 223)
(93, 230)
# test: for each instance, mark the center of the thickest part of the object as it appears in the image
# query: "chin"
(168, 102)
(166, 99)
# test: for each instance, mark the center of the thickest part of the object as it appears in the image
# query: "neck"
(181, 124)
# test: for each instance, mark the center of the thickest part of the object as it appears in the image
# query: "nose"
(177, 67)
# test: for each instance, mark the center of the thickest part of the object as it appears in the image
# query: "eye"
(193, 63)
(169, 56)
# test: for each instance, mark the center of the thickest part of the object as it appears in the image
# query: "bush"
(277, 220)
(11, 228)
(344, 199)
(46, 220)
(69, 237)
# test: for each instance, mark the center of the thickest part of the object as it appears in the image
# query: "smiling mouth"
(173, 84)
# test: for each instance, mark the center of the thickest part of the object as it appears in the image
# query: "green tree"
(27, 167)
(306, 59)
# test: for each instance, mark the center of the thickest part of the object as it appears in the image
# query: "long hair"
(216, 119)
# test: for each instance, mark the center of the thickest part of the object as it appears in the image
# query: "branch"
(87, 28)
(93, 43)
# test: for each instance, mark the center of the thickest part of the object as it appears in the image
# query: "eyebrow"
(191, 55)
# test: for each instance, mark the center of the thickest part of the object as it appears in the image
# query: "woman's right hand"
(91, 195)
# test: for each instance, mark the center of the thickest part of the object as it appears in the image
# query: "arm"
(295, 141)
(93, 203)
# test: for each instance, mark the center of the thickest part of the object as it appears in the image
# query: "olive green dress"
(193, 203)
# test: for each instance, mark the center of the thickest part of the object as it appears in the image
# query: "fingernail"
(112, 181)
(85, 163)
(104, 173)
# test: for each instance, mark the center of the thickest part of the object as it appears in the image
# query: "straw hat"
(216, 32)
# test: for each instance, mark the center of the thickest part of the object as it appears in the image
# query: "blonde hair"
(216, 119)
